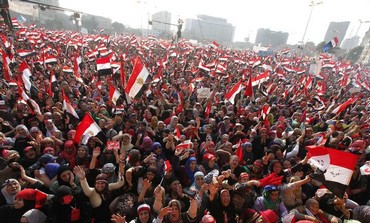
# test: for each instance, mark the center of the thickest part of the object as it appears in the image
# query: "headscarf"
(148, 140)
(68, 156)
(51, 169)
(9, 198)
(194, 184)
(271, 205)
(35, 216)
(189, 173)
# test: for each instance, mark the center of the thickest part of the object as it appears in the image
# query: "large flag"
(334, 167)
(86, 129)
(35, 108)
(113, 94)
(333, 43)
(137, 79)
(25, 74)
(261, 78)
(68, 107)
(230, 95)
(7, 72)
(249, 88)
(343, 106)
(103, 66)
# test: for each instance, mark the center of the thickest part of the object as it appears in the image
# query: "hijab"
(189, 173)
(35, 216)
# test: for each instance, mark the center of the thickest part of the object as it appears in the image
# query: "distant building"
(161, 21)
(350, 42)
(209, 28)
(267, 37)
(365, 55)
(336, 29)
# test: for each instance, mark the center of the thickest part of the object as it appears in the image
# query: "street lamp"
(313, 3)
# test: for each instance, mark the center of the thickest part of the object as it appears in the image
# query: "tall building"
(350, 42)
(336, 29)
(161, 21)
(267, 37)
(365, 55)
(209, 28)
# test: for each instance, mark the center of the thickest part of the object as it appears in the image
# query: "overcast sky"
(247, 16)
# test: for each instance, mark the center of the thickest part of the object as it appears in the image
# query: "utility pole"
(312, 5)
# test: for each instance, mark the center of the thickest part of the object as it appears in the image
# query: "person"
(311, 211)
(8, 191)
(99, 195)
(69, 207)
(270, 201)
(33, 216)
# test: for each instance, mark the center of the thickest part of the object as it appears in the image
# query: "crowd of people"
(187, 151)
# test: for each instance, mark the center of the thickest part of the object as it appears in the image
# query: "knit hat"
(269, 216)
(51, 169)
(143, 207)
(33, 195)
(208, 219)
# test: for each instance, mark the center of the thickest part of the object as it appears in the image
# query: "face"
(100, 185)
(13, 187)
(144, 216)
(30, 154)
(150, 176)
(66, 176)
(225, 199)
(192, 165)
(314, 208)
(234, 161)
(274, 195)
(277, 168)
(174, 216)
(18, 203)
(199, 180)
(81, 152)
(238, 202)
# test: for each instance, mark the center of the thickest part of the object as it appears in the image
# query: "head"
(33, 216)
(225, 197)
(268, 216)
(143, 212)
(313, 206)
(101, 183)
(174, 216)
(271, 193)
(12, 186)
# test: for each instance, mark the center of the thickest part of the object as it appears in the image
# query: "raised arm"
(80, 173)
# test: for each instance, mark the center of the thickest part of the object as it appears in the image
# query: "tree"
(118, 27)
(320, 46)
(355, 53)
(90, 23)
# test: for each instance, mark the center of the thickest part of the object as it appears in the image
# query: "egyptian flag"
(26, 53)
(103, 66)
(122, 75)
(261, 78)
(86, 129)
(167, 167)
(344, 105)
(231, 94)
(185, 145)
(7, 72)
(249, 88)
(25, 74)
(239, 152)
(334, 167)
(207, 110)
(180, 107)
(137, 79)
(113, 94)
(333, 43)
(53, 83)
(76, 68)
(35, 108)
(68, 107)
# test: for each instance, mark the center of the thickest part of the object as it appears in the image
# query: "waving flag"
(25, 74)
(333, 170)
(137, 79)
(113, 94)
(103, 66)
(344, 105)
(333, 43)
(86, 129)
(68, 107)
(231, 94)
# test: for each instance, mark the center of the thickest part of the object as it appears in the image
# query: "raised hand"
(80, 172)
(96, 152)
(117, 218)
(147, 184)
